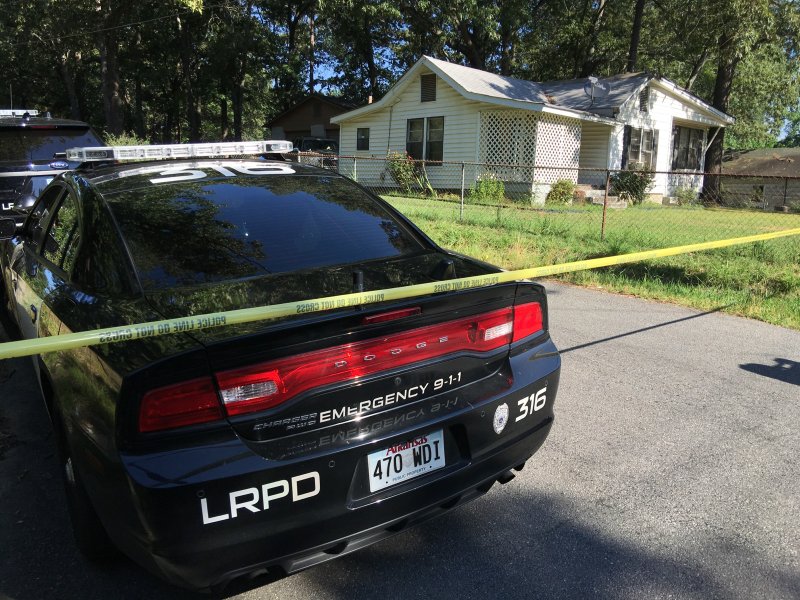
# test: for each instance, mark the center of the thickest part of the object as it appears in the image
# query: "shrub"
(685, 196)
(488, 189)
(632, 183)
(408, 173)
(561, 193)
(124, 139)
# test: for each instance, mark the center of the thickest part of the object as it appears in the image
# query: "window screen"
(415, 136)
(687, 148)
(362, 138)
(435, 142)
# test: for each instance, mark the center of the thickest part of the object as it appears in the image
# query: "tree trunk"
(69, 85)
(193, 117)
(223, 118)
(726, 70)
(635, 36)
(112, 99)
(311, 51)
(238, 97)
(108, 45)
(590, 61)
(138, 118)
(696, 68)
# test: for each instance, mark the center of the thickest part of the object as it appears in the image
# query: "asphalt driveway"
(671, 472)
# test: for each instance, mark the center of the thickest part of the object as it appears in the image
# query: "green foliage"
(760, 281)
(488, 189)
(124, 139)
(409, 174)
(402, 170)
(190, 70)
(686, 196)
(632, 183)
(561, 193)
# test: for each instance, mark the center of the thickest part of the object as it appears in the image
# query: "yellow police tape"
(126, 333)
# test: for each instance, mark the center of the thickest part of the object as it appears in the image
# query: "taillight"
(272, 383)
(188, 403)
(527, 320)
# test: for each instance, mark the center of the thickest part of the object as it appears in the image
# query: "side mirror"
(25, 203)
(8, 228)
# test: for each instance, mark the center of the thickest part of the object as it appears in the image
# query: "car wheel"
(90, 535)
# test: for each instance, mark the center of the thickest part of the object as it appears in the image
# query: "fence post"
(605, 207)
(461, 213)
(355, 169)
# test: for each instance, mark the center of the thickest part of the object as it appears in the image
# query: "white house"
(440, 111)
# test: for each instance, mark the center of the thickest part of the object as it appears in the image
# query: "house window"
(687, 148)
(427, 84)
(415, 136)
(425, 139)
(362, 138)
(640, 146)
(434, 147)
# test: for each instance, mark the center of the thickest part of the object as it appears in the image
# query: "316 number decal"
(531, 404)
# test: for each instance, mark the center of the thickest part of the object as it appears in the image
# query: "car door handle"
(34, 313)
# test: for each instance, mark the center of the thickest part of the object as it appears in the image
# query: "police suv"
(226, 451)
(32, 148)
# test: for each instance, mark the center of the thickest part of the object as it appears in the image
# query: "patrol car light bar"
(18, 112)
(164, 151)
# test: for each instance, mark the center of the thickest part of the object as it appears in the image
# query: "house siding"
(595, 139)
(388, 133)
(665, 110)
(753, 192)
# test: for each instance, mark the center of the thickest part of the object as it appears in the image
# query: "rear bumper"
(206, 516)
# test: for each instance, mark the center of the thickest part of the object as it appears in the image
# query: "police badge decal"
(500, 418)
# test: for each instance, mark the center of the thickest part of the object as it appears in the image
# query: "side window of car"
(41, 212)
(63, 235)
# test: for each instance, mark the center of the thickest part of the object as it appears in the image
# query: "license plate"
(405, 461)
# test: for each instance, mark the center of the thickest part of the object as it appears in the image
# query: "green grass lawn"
(760, 280)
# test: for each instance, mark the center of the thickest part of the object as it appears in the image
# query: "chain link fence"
(653, 209)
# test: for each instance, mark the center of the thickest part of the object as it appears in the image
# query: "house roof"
(774, 162)
(488, 84)
(567, 97)
(332, 100)
(571, 92)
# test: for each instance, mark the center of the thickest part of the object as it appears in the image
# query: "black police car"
(263, 449)
(32, 151)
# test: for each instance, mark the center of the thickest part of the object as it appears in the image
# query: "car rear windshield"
(201, 232)
(20, 143)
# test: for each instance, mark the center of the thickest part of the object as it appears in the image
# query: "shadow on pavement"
(783, 370)
(643, 329)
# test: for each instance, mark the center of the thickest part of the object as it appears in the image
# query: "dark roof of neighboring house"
(780, 162)
(332, 100)
(570, 93)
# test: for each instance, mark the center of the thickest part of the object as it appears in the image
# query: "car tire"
(90, 535)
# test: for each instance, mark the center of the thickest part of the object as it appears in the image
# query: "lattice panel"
(558, 146)
(508, 138)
